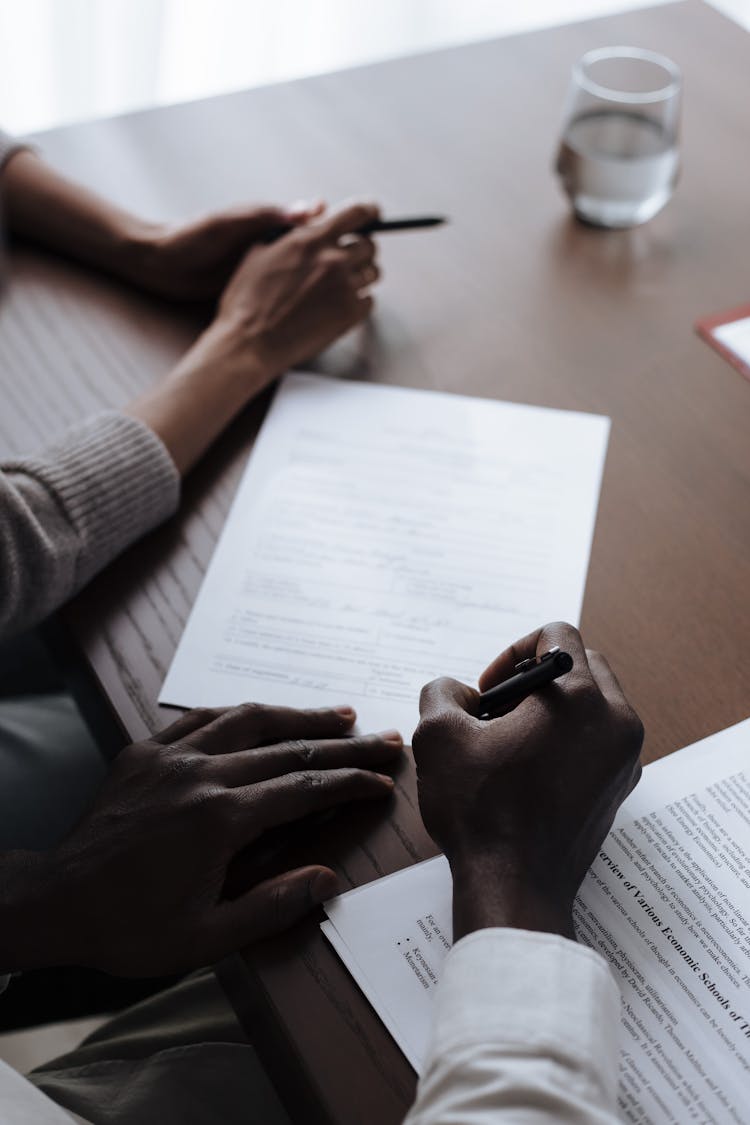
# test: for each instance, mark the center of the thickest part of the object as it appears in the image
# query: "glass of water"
(618, 159)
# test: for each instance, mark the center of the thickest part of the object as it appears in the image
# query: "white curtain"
(67, 60)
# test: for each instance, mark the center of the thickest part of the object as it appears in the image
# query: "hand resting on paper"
(520, 804)
(137, 887)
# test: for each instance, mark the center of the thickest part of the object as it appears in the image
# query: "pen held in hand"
(530, 675)
(377, 226)
(415, 222)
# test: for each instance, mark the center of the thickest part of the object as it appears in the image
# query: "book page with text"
(667, 903)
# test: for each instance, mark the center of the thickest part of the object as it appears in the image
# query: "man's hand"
(137, 887)
(194, 261)
(520, 804)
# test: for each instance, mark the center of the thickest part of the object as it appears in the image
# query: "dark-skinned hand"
(138, 887)
(520, 804)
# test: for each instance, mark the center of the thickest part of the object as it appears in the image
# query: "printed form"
(667, 903)
(383, 536)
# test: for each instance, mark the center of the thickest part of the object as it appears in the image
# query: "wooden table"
(512, 300)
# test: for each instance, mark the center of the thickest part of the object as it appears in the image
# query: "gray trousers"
(50, 769)
(177, 1058)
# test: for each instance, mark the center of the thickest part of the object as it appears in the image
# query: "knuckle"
(442, 684)
(204, 714)
(251, 710)
(207, 796)
(178, 763)
(432, 730)
(312, 781)
(561, 629)
(336, 260)
(302, 751)
(303, 245)
(580, 684)
(207, 804)
(253, 716)
(633, 732)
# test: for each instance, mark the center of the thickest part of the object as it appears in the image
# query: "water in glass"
(619, 167)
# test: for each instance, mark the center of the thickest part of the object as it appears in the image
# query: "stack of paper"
(667, 902)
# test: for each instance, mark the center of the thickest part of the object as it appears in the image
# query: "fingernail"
(345, 712)
(324, 886)
(386, 778)
(303, 207)
(391, 736)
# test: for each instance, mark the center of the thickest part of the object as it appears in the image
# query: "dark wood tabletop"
(513, 300)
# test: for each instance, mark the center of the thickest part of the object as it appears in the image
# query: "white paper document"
(383, 536)
(667, 903)
(735, 335)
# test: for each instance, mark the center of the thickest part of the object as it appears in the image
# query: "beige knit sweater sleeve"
(67, 512)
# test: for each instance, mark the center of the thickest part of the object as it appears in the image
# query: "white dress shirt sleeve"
(525, 1031)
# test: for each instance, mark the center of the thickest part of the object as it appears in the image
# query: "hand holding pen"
(531, 674)
(521, 804)
(376, 226)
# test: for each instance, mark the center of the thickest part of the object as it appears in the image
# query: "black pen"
(531, 674)
(415, 222)
(377, 226)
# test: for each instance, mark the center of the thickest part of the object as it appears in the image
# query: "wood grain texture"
(513, 300)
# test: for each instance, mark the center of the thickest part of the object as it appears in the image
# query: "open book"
(667, 903)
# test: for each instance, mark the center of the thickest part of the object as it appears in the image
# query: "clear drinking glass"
(618, 158)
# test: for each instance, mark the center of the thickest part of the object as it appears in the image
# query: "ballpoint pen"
(376, 226)
(536, 672)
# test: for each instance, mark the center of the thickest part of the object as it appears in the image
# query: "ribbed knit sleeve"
(67, 512)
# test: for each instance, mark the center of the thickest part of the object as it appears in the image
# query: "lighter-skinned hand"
(193, 261)
(290, 299)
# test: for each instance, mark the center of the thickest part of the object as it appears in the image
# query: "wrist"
(246, 346)
(33, 909)
(134, 252)
(232, 366)
(496, 890)
(210, 385)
